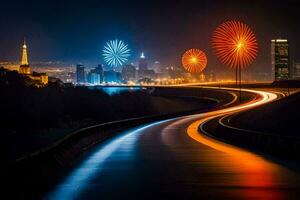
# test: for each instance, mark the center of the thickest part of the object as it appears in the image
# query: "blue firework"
(116, 53)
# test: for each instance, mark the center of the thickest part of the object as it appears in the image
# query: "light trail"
(192, 130)
(77, 180)
(80, 178)
(257, 172)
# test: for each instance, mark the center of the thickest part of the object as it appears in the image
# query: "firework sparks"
(116, 53)
(194, 60)
(235, 44)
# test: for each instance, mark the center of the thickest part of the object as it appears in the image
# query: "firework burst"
(235, 44)
(194, 61)
(116, 53)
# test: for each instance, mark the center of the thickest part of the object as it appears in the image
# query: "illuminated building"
(80, 74)
(144, 72)
(129, 73)
(202, 77)
(143, 63)
(212, 77)
(41, 77)
(95, 76)
(296, 70)
(112, 76)
(24, 67)
(175, 72)
(280, 59)
(157, 67)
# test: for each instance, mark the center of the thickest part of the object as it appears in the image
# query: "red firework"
(235, 44)
(194, 60)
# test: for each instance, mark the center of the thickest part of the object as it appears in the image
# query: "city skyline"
(187, 99)
(193, 23)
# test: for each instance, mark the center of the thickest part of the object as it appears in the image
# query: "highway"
(172, 159)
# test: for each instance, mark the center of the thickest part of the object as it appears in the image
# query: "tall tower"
(143, 62)
(24, 54)
(80, 73)
(24, 67)
(280, 59)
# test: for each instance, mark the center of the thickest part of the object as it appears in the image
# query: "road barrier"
(278, 145)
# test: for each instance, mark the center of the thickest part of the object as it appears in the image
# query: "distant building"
(41, 77)
(212, 77)
(280, 59)
(202, 77)
(143, 65)
(112, 76)
(100, 71)
(175, 72)
(296, 70)
(93, 77)
(149, 73)
(129, 73)
(80, 74)
(143, 71)
(25, 68)
(157, 67)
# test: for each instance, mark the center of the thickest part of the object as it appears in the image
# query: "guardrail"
(104, 128)
(74, 143)
(279, 145)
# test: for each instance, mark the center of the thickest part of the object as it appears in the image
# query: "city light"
(116, 53)
(194, 61)
(235, 44)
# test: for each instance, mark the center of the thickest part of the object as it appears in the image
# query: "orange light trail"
(194, 61)
(235, 44)
(261, 170)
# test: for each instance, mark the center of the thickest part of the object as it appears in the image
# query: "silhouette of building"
(25, 68)
(100, 71)
(129, 73)
(80, 74)
(280, 59)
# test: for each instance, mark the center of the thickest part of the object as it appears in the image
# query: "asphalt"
(163, 160)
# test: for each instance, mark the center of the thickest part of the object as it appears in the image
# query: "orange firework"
(194, 60)
(235, 44)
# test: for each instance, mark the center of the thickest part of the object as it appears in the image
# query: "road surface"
(172, 159)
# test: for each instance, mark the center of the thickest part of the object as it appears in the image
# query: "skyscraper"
(280, 59)
(143, 62)
(157, 67)
(100, 71)
(296, 70)
(80, 73)
(24, 67)
(93, 77)
(129, 73)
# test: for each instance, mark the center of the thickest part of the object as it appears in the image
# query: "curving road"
(171, 159)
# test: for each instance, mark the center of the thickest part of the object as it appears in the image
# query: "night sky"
(75, 31)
